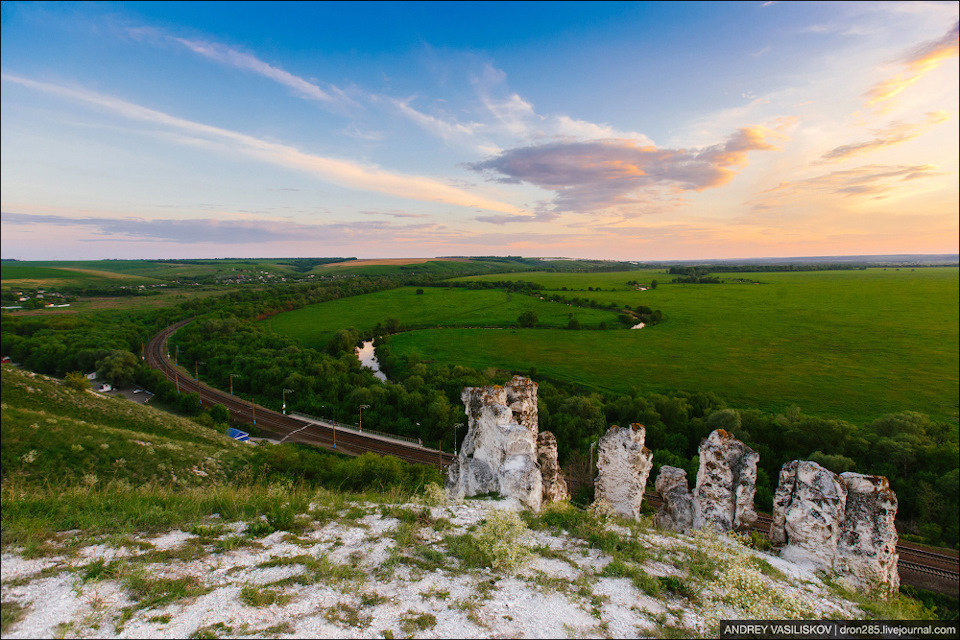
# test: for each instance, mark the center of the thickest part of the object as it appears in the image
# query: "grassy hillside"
(315, 325)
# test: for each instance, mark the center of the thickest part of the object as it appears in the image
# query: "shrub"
(502, 536)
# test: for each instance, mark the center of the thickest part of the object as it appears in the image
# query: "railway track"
(285, 427)
(918, 566)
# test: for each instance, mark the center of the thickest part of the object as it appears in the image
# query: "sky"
(624, 131)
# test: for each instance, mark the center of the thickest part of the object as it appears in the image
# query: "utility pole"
(284, 395)
(459, 424)
(232, 376)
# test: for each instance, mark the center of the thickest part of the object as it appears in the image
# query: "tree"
(573, 324)
(220, 414)
(118, 368)
(76, 380)
(653, 284)
(528, 319)
(419, 292)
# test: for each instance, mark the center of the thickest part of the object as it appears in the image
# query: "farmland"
(848, 344)
(315, 325)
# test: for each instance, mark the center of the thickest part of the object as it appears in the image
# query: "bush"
(76, 380)
(502, 537)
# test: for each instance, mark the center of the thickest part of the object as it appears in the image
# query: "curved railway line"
(918, 566)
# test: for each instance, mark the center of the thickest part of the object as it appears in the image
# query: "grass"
(315, 325)
(848, 344)
(10, 613)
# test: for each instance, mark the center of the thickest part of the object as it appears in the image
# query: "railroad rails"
(288, 428)
(918, 566)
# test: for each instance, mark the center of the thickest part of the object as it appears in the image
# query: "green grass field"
(850, 344)
(315, 325)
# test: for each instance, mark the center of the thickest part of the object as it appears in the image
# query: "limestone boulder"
(497, 454)
(808, 514)
(554, 485)
(726, 484)
(676, 512)
(623, 464)
(867, 548)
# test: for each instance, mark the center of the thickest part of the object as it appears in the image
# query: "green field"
(849, 344)
(315, 325)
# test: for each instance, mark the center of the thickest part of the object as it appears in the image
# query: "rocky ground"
(368, 570)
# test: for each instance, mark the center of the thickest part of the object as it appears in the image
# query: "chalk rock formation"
(808, 513)
(522, 400)
(498, 454)
(554, 486)
(676, 512)
(867, 549)
(623, 463)
(726, 483)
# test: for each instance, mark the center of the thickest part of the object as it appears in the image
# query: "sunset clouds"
(595, 175)
(634, 131)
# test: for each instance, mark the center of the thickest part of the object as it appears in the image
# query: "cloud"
(395, 214)
(445, 129)
(919, 62)
(340, 172)
(594, 175)
(211, 230)
(874, 180)
(225, 55)
(896, 133)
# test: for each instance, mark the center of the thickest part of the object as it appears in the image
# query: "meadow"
(315, 325)
(847, 344)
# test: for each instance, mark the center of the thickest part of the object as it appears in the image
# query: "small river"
(368, 358)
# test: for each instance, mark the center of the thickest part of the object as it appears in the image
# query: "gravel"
(548, 597)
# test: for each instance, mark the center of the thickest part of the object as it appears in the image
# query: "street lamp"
(284, 396)
(459, 424)
(362, 407)
(232, 376)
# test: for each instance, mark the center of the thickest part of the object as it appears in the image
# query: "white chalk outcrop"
(623, 464)
(842, 523)
(554, 485)
(726, 484)
(676, 511)
(867, 549)
(499, 453)
(808, 514)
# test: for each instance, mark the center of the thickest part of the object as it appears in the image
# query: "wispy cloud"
(894, 134)
(206, 230)
(917, 63)
(874, 180)
(341, 172)
(594, 175)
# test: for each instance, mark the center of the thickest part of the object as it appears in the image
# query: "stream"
(368, 358)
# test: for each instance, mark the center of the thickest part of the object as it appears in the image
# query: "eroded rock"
(726, 484)
(623, 464)
(676, 512)
(498, 454)
(867, 548)
(554, 486)
(808, 513)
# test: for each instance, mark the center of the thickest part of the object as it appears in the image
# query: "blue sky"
(634, 131)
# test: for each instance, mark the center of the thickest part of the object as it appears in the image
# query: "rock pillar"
(623, 464)
(554, 486)
(676, 512)
(867, 549)
(726, 484)
(808, 513)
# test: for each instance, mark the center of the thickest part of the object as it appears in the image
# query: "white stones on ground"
(499, 453)
(676, 512)
(554, 486)
(726, 484)
(623, 464)
(808, 513)
(867, 549)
